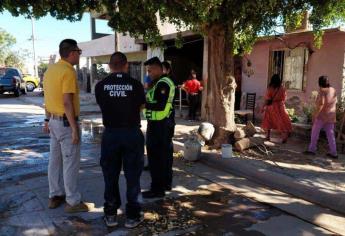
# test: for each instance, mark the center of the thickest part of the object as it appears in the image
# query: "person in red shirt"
(192, 86)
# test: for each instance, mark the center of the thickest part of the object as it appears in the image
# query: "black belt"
(57, 117)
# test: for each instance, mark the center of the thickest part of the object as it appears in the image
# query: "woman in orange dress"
(275, 115)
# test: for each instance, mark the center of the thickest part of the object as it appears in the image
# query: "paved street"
(204, 201)
(24, 148)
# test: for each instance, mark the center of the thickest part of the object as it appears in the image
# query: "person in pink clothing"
(324, 117)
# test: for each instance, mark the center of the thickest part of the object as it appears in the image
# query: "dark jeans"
(193, 106)
(122, 147)
(160, 153)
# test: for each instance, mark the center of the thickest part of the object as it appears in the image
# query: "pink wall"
(328, 60)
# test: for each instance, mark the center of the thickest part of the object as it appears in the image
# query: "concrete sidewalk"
(204, 201)
(316, 179)
(313, 178)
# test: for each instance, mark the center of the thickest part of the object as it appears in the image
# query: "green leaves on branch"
(6, 41)
(67, 9)
(247, 19)
(8, 57)
(14, 59)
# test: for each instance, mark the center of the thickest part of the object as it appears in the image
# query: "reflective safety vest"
(160, 115)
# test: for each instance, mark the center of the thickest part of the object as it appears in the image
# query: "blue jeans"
(122, 147)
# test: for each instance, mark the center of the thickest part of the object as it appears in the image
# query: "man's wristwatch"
(46, 120)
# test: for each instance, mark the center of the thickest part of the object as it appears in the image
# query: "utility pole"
(33, 45)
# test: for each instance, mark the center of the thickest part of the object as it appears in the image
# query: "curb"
(273, 180)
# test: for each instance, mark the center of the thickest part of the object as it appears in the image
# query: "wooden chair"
(249, 108)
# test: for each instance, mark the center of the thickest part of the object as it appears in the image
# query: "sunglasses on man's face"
(78, 50)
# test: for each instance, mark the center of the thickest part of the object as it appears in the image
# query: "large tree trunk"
(219, 85)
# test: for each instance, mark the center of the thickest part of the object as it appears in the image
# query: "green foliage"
(13, 59)
(293, 20)
(42, 67)
(308, 110)
(233, 24)
(6, 41)
(244, 20)
(68, 9)
(293, 117)
(8, 57)
(340, 109)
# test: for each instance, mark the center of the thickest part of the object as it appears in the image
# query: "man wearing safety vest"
(159, 112)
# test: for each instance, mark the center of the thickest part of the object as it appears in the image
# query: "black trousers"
(160, 150)
(193, 106)
(122, 148)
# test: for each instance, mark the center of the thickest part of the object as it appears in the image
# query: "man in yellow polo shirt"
(61, 97)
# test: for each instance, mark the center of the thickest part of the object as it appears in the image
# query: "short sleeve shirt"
(59, 79)
(328, 112)
(192, 86)
(120, 98)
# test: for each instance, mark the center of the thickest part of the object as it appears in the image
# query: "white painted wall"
(127, 44)
(98, 47)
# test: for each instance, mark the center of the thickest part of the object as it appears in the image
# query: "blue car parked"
(11, 80)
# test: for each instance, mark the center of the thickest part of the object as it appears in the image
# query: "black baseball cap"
(153, 61)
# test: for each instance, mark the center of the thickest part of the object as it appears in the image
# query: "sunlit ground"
(16, 108)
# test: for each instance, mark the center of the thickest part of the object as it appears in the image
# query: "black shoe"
(168, 188)
(132, 223)
(151, 194)
(332, 156)
(146, 168)
(110, 221)
(309, 153)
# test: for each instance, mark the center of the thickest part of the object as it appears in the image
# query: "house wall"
(256, 83)
(126, 44)
(343, 74)
(328, 60)
(98, 47)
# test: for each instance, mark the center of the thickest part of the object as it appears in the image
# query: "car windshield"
(11, 72)
(8, 72)
(2, 72)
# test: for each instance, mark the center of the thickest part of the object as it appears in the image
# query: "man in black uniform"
(159, 112)
(120, 99)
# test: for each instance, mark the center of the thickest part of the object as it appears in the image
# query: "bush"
(308, 110)
(293, 117)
